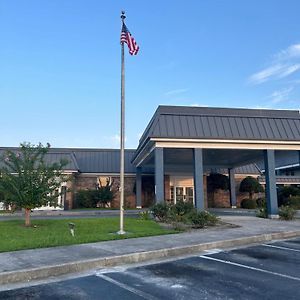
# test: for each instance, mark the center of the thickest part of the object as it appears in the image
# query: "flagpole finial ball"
(123, 15)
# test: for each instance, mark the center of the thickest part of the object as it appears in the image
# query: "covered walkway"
(191, 141)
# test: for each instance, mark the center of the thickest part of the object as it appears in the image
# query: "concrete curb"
(71, 213)
(85, 265)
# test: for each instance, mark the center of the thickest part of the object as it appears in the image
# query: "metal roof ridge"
(75, 161)
(228, 112)
(228, 116)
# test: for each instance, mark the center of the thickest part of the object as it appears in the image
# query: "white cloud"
(289, 70)
(284, 63)
(112, 141)
(115, 138)
(265, 74)
(291, 52)
(273, 72)
(280, 95)
(200, 105)
(175, 92)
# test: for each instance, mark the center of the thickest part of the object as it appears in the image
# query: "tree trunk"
(251, 195)
(27, 217)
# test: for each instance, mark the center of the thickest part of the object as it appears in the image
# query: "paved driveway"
(267, 271)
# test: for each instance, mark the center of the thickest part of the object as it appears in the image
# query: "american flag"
(127, 38)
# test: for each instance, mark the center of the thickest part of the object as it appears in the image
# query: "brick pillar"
(167, 187)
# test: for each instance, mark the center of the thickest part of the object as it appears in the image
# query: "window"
(104, 181)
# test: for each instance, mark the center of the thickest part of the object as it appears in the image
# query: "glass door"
(189, 194)
(179, 193)
(182, 193)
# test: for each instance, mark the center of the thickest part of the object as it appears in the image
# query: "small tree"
(250, 185)
(217, 181)
(104, 193)
(28, 181)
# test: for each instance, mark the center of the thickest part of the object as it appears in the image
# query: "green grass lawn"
(51, 233)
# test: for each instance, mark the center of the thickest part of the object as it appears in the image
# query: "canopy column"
(138, 187)
(232, 188)
(159, 175)
(198, 178)
(271, 192)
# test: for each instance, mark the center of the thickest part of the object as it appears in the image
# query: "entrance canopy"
(196, 139)
(176, 127)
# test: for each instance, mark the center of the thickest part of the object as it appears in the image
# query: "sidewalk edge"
(28, 275)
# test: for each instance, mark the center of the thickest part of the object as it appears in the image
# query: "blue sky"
(60, 64)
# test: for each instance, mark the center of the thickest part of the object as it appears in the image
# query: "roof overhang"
(226, 144)
(282, 180)
(145, 153)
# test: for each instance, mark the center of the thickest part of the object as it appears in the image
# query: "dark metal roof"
(248, 169)
(103, 160)
(53, 156)
(88, 160)
(284, 159)
(223, 123)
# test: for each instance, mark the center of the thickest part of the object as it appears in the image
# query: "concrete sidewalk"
(69, 214)
(27, 265)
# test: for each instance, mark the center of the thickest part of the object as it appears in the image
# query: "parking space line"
(280, 247)
(248, 267)
(127, 287)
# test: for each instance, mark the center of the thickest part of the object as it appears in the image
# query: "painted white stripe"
(280, 247)
(248, 267)
(213, 251)
(127, 287)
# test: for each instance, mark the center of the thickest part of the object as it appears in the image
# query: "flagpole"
(122, 135)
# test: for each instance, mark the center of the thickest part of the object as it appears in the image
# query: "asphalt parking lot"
(266, 271)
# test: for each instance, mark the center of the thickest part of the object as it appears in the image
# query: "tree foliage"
(217, 181)
(27, 180)
(250, 185)
(285, 193)
(101, 196)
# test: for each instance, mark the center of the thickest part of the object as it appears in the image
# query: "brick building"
(181, 146)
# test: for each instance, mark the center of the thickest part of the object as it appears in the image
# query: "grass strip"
(51, 233)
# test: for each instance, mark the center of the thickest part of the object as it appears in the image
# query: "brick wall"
(90, 182)
(69, 201)
(167, 187)
(129, 195)
(222, 198)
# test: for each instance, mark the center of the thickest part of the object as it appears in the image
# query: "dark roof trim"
(227, 112)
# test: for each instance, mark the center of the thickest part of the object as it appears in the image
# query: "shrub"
(262, 212)
(145, 215)
(160, 211)
(200, 219)
(294, 202)
(84, 199)
(286, 192)
(248, 204)
(179, 211)
(250, 185)
(287, 213)
(100, 196)
(261, 202)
